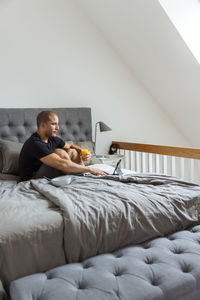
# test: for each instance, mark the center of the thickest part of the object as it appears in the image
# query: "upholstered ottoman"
(163, 268)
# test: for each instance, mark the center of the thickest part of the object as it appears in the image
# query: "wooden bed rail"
(186, 152)
(182, 162)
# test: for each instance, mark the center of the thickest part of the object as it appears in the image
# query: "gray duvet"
(100, 215)
(104, 214)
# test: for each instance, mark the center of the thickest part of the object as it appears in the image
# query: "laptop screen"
(117, 170)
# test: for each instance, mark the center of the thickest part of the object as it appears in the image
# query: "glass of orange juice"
(84, 152)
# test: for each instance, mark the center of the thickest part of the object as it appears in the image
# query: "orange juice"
(84, 152)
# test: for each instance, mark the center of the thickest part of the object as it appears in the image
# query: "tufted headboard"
(17, 124)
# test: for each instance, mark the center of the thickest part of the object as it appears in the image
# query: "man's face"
(51, 127)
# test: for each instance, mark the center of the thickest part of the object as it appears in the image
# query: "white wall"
(52, 56)
(143, 35)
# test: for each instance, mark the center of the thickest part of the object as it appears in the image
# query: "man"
(45, 154)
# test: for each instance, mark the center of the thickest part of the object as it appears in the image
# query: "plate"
(61, 180)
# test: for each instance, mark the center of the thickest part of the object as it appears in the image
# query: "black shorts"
(47, 171)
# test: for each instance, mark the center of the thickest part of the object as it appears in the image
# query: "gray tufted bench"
(162, 268)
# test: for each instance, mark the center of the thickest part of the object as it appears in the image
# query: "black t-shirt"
(34, 149)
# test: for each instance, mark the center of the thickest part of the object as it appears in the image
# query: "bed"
(42, 227)
(31, 228)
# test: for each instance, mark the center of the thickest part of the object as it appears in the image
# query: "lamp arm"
(95, 137)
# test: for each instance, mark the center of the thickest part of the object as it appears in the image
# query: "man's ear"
(42, 124)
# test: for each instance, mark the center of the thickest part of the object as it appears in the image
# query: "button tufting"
(186, 268)
(171, 238)
(155, 283)
(49, 276)
(117, 293)
(87, 266)
(177, 251)
(146, 246)
(148, 261)
(81, 286)
(117, 273)
(119, 255)
(194, 230)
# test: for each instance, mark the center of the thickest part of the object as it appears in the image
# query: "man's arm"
(67, 166)
(67, 146)
(72, 146)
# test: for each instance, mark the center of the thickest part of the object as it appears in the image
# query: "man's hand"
(87, 156)
(78, 149)
(98, 172)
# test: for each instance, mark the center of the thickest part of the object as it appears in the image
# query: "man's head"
(47, 123)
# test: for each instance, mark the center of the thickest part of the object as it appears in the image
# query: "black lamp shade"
(103, 127)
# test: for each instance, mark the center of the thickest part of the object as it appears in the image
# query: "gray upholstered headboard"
(17, 124)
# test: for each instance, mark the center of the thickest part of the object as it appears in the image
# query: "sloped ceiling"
(146, 40)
